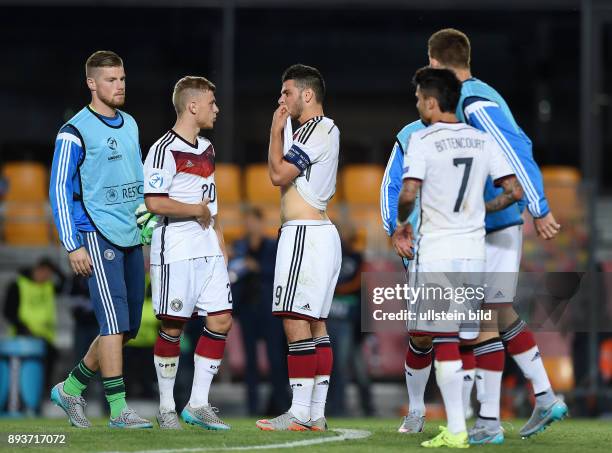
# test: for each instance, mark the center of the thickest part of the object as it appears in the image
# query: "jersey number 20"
(209, 191)
(467, 161)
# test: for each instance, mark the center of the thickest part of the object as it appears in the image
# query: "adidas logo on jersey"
(536, 356)
(499, 294)
(478, 376)
(467, 378)
(296, 385)
(325, 382)
(305, 307)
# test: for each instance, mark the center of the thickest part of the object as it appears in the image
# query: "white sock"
(302, 389)
(416, 381)
(468, 385)
(488, 390)
(319, 397)
(530, 363)
(205, 370)
(450, 378)
(166, 368)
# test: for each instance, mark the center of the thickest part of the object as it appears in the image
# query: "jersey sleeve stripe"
(312, 129)
(67, 136)
(512, 158)
(158, 160)
(58, 196)
(303, 132)
(471, 108)
(384, 192)
(62, 199)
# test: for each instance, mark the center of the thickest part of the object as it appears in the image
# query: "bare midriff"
(294, 207)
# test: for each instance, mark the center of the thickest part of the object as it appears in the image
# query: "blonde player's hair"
(186, 87)
(451, 48)
(102, 59)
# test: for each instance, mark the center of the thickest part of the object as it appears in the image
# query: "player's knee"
(318, 329)
(172, 327)
(219, 323)
(507, 316)
(422, 342)
(296, 329)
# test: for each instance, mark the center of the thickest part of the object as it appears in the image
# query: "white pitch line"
(345, 434)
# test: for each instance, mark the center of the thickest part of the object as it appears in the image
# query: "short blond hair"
(186, 87)
(451, 48)
(102, 59)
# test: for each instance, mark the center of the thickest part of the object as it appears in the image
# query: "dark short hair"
(306, 77)
(102, 59)
(450, 47)
(441, 84)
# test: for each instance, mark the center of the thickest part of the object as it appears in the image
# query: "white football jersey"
(454, 161)
(314, 150)
(184, 172)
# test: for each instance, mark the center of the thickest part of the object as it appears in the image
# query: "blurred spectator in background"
(29, 307)
(138, 363)
(251, 272)
(344, 327)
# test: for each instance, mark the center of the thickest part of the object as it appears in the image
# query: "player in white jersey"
(449, 163)
(304, 164)
(188, 259)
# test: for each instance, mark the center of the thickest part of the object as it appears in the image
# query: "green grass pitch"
(567, 436)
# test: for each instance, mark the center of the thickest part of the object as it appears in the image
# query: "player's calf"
(207, 361)
(325, 360)
(166, 353)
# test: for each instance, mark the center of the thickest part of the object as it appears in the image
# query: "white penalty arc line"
(344, 434)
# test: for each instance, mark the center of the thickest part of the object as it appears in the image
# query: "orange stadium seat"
(561, 185)
(27, 181)
(229, 183)
(26, 224)
(361, 183)
(259, 189)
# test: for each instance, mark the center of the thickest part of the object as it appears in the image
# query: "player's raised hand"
(402, 240)
(547, 227)
(80, 261)
(279, 119)
(204, 217)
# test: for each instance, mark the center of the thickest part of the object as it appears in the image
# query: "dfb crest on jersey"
(176, 305)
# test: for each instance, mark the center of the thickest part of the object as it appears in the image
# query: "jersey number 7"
(467, 161)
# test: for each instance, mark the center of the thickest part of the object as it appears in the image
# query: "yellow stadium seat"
(361, 183)
(229, 183)
(27, 181)
(26, 224)
(259, 188)
(560, 370)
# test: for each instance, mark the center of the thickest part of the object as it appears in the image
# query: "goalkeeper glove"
(146, 222)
